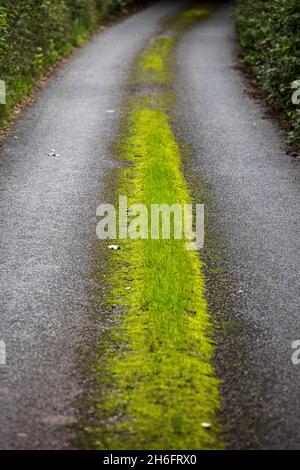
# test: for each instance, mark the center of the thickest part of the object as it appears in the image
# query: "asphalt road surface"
(255, 189)
(48, 207)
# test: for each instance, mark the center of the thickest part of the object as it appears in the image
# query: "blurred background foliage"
(269, 32)
(35, 34)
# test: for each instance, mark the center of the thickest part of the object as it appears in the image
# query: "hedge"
(35, 34)
(269, 32)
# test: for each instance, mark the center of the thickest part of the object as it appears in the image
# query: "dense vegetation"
(35, 34)
(270, 40)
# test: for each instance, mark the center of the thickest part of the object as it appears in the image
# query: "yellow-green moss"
(157, 380)
(154, 64)
(190, 16)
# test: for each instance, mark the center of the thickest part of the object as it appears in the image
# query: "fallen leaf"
(206, 425)
(52, 153)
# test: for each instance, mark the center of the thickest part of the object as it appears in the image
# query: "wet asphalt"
(253, 216)
(48, 205)
(48, 218)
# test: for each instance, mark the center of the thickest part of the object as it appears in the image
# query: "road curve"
(48, 206)
(255, 216)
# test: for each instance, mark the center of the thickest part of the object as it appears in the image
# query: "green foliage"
(269, 33)
(35, 34)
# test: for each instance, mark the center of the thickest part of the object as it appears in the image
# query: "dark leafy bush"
(269, 33)
(35, 34)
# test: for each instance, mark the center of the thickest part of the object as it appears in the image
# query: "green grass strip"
(158, 385)
(154, 64)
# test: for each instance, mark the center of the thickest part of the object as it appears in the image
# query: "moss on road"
(157, 384)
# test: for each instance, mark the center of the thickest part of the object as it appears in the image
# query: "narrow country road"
(48, 216)
(48, 207)
(255, 188)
